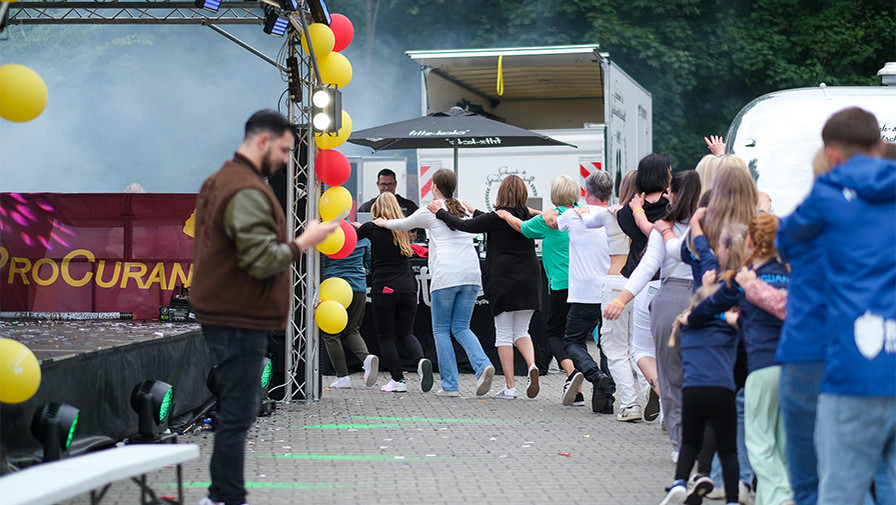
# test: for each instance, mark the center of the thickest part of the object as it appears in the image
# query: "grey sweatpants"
(670, 301)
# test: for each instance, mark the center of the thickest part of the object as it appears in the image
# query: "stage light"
(274, 23)
(326, 109)
(54, 425)
(319, 11)
(295, 84)
(289, 5)
(211, 5)
(153, 400)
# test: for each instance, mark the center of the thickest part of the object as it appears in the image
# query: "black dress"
(511, 279)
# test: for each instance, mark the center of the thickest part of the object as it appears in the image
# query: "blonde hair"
(702, 293)
(628, 187)
(386, 207)
(734, 239)
(733, 200)
(564, 191)
(706, 168)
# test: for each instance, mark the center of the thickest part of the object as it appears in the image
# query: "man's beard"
(268, 167)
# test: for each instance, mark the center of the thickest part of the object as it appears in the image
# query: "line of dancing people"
(770, 345)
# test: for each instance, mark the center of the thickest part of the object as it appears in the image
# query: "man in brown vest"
(241, 286)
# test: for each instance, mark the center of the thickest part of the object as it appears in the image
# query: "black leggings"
(715, 405)
(393, 319)
(558, 309)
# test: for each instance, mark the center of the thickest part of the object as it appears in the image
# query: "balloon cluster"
(23, 94)
(333, 168)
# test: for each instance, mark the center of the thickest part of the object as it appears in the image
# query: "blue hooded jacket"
(852, 213)
(803, 334)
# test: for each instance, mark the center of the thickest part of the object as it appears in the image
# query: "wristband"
(638, 209)
(667, 230)
(619, 302)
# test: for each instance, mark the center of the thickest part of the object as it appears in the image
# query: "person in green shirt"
(555, 258)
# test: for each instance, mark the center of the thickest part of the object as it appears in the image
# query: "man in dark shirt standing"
(241, 285)
(385, 182)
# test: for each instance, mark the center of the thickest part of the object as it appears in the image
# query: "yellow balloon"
(333, 202)
(333, 243)
(19, 372)
(335, 69)
(331, 317)
(325, 141)
(336, 289)
(322, 39)
(23, 94)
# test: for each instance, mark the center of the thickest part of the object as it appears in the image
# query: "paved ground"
(362, 446)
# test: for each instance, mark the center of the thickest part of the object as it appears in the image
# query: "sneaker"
(676, 494)
(652, 409)
(442, 392)
(599, 393)
(342, 383)
(571, 388)
(744, 493)
(424, 371)
(532, 387)
(371, 369)
(484, 384)
(394, 386)
(629, 414)
(579, 401)
(702, 486)
(506, 394)
(608, 409)
(717, 493)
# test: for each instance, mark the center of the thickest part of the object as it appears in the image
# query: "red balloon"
(332, 167)
(343, 30)
(351, 240)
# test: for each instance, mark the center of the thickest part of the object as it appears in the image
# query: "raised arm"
(514, 222)
(637, 205)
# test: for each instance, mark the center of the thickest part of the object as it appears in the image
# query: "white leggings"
(510, 326)
(642, 337)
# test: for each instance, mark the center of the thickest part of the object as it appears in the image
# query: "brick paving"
(362, 446)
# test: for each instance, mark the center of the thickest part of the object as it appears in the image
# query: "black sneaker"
(571, 387)
(579, 401)
(599, 393)
(702, 486)
(652, 409)
(608, 408)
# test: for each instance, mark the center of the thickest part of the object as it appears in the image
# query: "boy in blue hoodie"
(851, 215)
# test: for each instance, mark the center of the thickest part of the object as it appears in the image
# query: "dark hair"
(269, 121)
(653, 173)
(686, 186)
(446, 181)
(385, 172)
(890, 151)
(704, 200)
(512, 193)
(600, 185)
(852, 129)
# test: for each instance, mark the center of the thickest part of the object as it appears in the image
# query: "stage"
(94, 365)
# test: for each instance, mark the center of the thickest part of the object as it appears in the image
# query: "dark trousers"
(350, 336)
(393, 319)
(714, 405)
(237, 355)
(558, 310)
(580, 322)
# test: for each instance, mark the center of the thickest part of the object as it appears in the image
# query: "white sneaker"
(506, 394)
(371, 370)
(676, 495)
(701, 486)
(629, 414)
(744, 493)
(484, 384)
(395, 387)
(424, 372)
(442, 392)
(571, 387)
(342, 383)
(532, 382)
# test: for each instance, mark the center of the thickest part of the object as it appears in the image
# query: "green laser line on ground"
(438, 420)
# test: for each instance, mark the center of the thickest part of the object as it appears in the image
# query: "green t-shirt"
(554, 250)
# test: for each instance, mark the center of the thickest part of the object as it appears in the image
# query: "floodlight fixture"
(294, 85)
(54, 425)
(326, 109)
(289, 5)
(153, 400)
(212, 5)
(274, 22)
(319, 11)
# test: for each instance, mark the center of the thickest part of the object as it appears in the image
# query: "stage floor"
(56, 340)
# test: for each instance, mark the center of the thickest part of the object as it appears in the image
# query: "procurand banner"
(94, 252)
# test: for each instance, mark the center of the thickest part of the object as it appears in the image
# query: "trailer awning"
(529, 73)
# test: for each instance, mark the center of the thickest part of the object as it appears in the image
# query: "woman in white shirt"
(454, 285)
(660, 363)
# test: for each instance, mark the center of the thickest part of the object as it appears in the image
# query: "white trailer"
(779, 133)
(574, 94)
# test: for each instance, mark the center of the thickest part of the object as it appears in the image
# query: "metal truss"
(133, 13)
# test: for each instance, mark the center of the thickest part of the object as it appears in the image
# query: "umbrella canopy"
(455, 128)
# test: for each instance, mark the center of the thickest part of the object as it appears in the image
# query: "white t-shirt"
(452, 258)
(589, 257)
(602, 218)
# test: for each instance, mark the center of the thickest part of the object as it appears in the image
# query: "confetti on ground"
(566, 454)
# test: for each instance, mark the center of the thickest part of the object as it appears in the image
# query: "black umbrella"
(452, 128)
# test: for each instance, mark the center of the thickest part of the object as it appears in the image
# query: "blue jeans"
(452, 309)
(853, 435)
(238, 355)
(800, 382)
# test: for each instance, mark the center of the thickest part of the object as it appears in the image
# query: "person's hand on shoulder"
(381, 222)
(584, 209)
(503, 214)
(744, 277)
(709, 277)
(637, 202)
(434, 206)
(550, 218)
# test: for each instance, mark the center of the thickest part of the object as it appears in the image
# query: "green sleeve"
(249, 221)
(535, 228)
